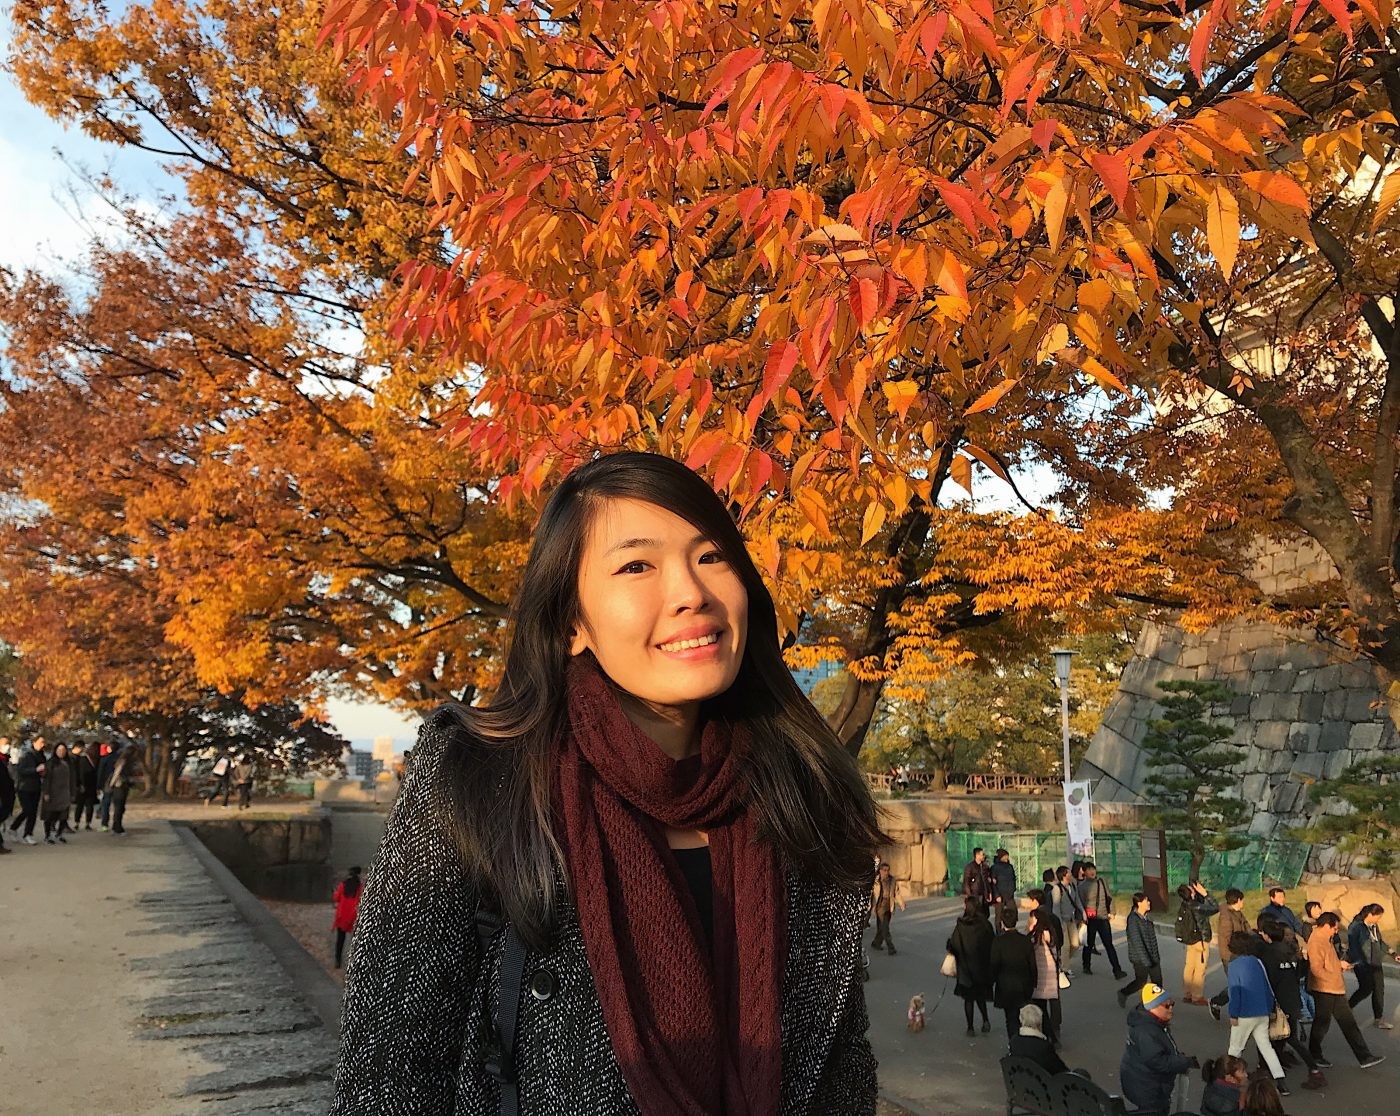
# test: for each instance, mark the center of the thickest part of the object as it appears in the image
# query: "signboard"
(1078, 821)
(1154, 867)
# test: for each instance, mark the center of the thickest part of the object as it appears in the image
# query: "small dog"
(916, 1014)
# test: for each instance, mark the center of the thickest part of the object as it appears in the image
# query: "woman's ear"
(578, 641)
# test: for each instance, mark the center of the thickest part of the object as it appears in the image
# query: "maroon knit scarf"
(695, 1033)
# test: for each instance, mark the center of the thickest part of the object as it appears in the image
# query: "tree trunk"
(1198, 857)
(938, 778)
(853, 715)
(173, 769)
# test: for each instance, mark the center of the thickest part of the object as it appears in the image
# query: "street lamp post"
(1062, 663)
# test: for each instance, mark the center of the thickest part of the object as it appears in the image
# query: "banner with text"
(1078, 822)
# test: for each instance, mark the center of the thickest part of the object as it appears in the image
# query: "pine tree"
(1189, 758)
(1371, 828)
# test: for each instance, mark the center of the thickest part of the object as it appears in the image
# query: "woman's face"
(662, 611)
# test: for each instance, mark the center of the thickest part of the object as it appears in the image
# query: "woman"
(971, 945)
(1225, 1078)
(1252, 1003)
(1047, 972)
(57, 795)
(1261, 1099)
(675, 841)
(347, 907)
(243, 780)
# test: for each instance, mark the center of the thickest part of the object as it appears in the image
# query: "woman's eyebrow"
(639, 544)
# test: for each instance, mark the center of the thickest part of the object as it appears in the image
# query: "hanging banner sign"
(1078, 822)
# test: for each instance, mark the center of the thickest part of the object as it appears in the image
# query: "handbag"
(1064, 979)
(950, 965)
(1280, 1026)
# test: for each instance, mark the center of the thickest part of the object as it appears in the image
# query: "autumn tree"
(9, 702)
(290, 493)
(841, 255)
(999, 714)
(1190, 785)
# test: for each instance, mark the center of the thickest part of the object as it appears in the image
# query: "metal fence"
(1118, 857)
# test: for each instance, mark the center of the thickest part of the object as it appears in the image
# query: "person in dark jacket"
(1193, 924)
(7, 790)
(1367, 952)
(1144, 954)
(84, 785)
(29, 789)
(130, 766)
(1004, 880)
(658, 816)
(971, 946)
(1013, 970)
(1030, 1042)
(977, 878)
(57, 797)
(1277, 908)
(1283, 961)
(104, 781)
(1151, 1060)
(1225, 1079)
(1097, 902)
(1040, 906)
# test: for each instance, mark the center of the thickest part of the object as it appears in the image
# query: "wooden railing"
(984, 781)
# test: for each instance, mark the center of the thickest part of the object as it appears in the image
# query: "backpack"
(1188, 926)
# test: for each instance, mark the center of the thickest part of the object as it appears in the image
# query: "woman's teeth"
(687, 644)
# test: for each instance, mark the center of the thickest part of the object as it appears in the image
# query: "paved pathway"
(112, 945)
(940, 1071)
(129, 986)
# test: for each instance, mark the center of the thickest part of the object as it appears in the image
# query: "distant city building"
(384, 752)
(362, 766)
(808, 678)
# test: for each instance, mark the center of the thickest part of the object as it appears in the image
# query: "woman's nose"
(684, 588)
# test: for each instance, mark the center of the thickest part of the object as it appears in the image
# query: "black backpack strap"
(500, 1061)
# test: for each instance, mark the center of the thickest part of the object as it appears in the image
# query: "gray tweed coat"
(419, 993)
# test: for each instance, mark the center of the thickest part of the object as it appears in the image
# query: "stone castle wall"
(1304, 711)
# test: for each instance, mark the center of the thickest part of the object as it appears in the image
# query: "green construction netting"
(1118, 857)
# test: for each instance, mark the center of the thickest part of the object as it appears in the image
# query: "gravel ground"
(310, 924)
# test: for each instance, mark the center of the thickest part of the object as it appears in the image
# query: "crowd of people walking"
(1284, 979)
(65, 788)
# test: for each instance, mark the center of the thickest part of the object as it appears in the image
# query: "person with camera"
(1193, 931)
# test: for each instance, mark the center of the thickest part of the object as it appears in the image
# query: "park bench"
(1031, 1091)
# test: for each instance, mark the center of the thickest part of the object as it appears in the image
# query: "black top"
(695, 867)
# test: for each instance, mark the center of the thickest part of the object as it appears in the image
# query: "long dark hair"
(350, 886)
(810, 799)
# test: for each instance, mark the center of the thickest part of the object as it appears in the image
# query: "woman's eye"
(633, 567)
(712, 556)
